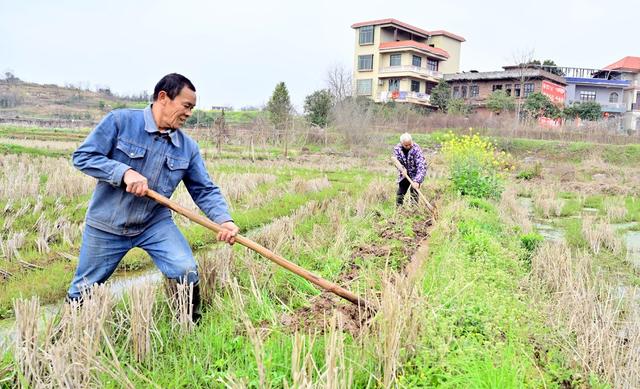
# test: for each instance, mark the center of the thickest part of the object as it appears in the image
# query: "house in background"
(474, 87)
(628, 69)
(605, 87)
(395, 61)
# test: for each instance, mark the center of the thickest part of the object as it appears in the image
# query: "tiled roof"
(626, 63)
(505, 74)
(416, 45)
(447, 33)
(408, 27)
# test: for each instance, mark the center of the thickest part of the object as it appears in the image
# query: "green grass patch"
(16, 149)
(571, 207)
(484, 329)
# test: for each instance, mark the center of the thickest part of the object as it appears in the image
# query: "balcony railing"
(606, 107)
(414, 69)
(614, 107)
(409, 97)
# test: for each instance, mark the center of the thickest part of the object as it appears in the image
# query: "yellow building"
(395, 61)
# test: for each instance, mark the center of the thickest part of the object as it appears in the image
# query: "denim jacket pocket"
(131, 149)
(177, 169)
(134, 153)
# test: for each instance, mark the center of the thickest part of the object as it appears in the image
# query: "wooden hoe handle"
(307, 275)
(430, 207)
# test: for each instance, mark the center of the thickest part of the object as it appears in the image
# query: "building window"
(516, 90)
(528, 89)
(364, 87)
(474, 91)
(365, 62)
(496, 87)
(416, 61)
(456, 92)
(613, 97)
(587, 95)
(463, 91)
(395, 60)
(428, 87)
(432, 64)
(366, 35)
(394, 84)
(415, 86)
(507, 88)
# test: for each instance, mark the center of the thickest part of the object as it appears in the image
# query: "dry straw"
(142, 300)
(180, 295)
(592, 322)
(69, 352)
(254, 335)
(544, 200)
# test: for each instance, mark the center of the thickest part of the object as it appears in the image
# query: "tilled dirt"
(322, 307)
(318, 314)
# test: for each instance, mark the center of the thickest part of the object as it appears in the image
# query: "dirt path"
(418, 258)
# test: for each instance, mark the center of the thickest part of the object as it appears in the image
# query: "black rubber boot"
(196, 302)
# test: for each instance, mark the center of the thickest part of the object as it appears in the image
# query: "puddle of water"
(122, 284)
(549, 232)
(624, 226)
(542, 226)
(526, 203)
(632, 241)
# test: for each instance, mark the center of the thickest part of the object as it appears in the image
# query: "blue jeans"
(102, 251)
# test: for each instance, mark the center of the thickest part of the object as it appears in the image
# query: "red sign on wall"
(554, 91)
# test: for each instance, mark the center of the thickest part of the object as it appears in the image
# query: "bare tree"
(339, 82)
(522, 61)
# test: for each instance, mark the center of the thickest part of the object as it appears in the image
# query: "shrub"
(317, 106)
(531, 172)
(531, 241)
(475, 165)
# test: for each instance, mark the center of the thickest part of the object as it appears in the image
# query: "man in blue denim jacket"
(130, 151)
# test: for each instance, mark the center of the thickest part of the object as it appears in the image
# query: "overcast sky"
(236, 51)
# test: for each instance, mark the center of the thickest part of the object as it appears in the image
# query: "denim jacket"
(129, 138)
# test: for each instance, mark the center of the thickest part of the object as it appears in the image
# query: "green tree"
(317, 106)
(588, 110)
(440, 95)
(551, 67)
(279, 105)
(457, 106)
(547, 65)
(500, 101)
(537, 105)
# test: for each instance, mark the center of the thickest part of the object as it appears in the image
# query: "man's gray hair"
(406, 137)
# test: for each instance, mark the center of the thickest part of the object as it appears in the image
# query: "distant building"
(221, 108)
(605, 87)
(519, 82)
(395, 61)
(629, 70)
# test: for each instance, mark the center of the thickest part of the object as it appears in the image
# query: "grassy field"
(485, 296)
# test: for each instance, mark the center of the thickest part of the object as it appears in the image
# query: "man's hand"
(415, 185)
(228, 233)
(136, 183)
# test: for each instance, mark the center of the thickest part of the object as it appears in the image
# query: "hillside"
(53, 105)
(30, 101)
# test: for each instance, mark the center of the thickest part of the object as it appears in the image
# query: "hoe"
(307, 275)
(432, 209)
